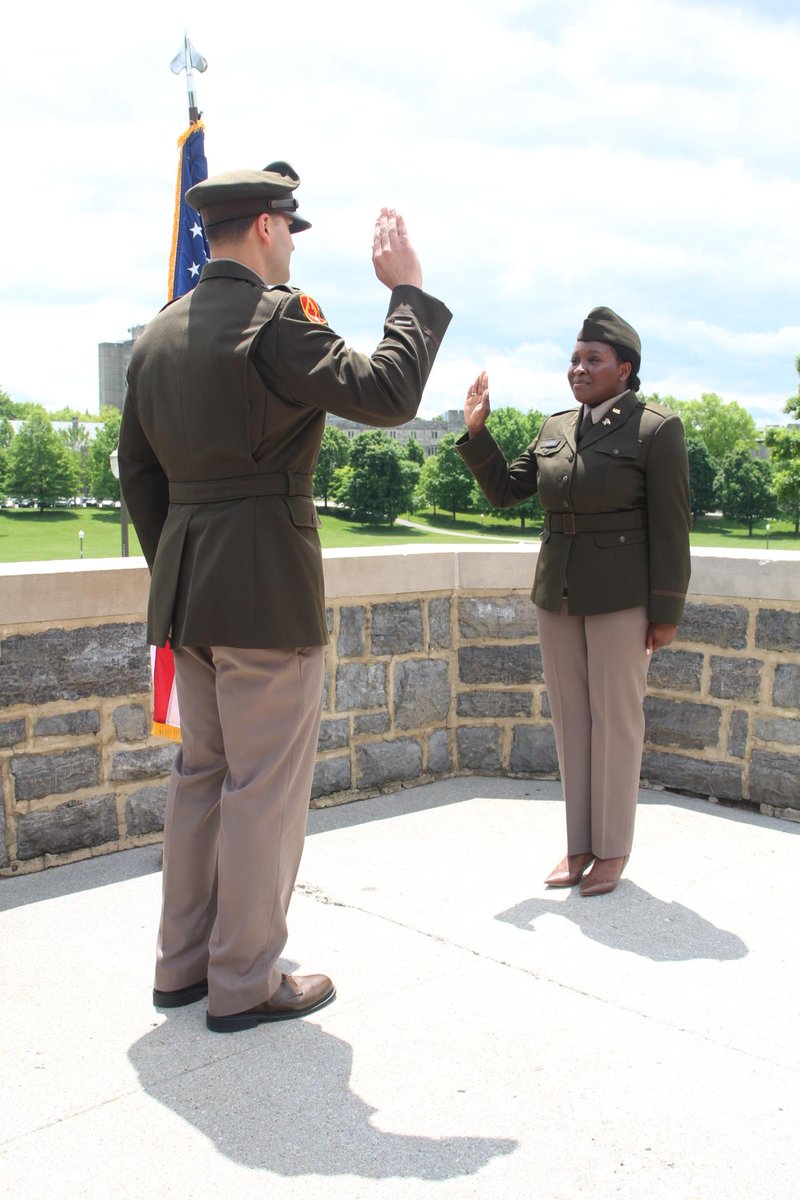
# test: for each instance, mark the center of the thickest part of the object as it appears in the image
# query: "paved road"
(491, 1039)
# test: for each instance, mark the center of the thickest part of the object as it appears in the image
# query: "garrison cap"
(603, 325)
(247, 193)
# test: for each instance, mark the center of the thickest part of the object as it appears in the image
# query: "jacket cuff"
(432, 313)
(665, 609)
(476, 450)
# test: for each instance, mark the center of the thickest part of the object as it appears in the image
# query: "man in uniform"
(228, 389)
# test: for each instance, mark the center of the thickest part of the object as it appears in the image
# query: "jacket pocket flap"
(620, 537)
(628, 449)
(303, 512)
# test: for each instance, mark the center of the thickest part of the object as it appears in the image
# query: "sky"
(548, 156)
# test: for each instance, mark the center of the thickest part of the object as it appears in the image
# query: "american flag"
(189, 246)
(188, 256)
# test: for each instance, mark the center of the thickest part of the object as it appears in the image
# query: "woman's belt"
(571, 523)
(238, 487)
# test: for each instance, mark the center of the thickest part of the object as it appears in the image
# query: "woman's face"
(595, 373)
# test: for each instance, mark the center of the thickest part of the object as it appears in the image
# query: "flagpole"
(189, 253)
(189, 60)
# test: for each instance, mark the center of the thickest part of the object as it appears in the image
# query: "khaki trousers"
(595, 670)
(236, 817)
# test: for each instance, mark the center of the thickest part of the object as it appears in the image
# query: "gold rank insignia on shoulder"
(606, 421)
(312, 310)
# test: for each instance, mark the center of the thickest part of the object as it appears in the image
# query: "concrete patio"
(490, 1038)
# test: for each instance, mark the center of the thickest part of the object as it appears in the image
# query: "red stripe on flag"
(163, 679)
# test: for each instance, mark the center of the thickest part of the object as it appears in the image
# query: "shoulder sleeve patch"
(312, 311)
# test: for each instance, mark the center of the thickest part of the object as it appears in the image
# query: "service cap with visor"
(247, 193)
(604, 325)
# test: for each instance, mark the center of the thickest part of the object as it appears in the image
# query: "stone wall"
(433, 669)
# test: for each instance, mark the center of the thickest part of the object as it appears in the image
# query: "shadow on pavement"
(642, 924)
(278, 1099)
(81, 876)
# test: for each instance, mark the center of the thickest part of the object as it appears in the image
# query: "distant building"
(428, 432)
(113, 363)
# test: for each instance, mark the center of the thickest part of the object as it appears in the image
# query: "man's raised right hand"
(393, 257)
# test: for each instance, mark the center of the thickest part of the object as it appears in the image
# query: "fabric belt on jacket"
(238, 487)
(572, 523)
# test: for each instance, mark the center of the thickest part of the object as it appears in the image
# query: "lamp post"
(80, 541)
(768, 535)
(113, 462)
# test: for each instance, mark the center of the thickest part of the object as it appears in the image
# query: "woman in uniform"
(610, 581)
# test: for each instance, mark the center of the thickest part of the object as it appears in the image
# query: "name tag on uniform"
(550, 443)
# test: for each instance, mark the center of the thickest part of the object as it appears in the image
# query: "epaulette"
(658, 410)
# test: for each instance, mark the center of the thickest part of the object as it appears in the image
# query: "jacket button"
(622, 539)
(565, 478)
(565, 503)
(615, 451)
(570, 457)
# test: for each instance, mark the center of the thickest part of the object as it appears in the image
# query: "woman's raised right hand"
(476, 405)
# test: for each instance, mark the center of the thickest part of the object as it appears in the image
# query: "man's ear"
(264, 228)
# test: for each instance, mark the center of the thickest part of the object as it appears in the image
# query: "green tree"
(103, 485)
(446, 480)
(78, 445)
(786, 482)
(334, 451)
(6, 437)
(382, 480)
(340, 485)
(8, 407)
(425, 493)
(784, 445)
(513, 431)
(38, 463)
(414, 452)
(746, 488)
(784, 448)
(792, 405)
(722, 427)
(73, 414)
(702, 478)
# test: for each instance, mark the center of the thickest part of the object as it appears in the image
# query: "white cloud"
(548, 157)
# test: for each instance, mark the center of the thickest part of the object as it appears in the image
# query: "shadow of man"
(282, 1103)
(642, 924)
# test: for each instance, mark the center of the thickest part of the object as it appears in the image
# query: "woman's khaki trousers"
(595, 671)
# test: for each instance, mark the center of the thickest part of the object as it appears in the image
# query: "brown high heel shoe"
(604, 876)
(569, 871)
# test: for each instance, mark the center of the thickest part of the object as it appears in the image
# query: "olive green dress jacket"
(228, 389)
(617, 508)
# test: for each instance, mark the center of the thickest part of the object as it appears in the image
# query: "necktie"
(585, 425)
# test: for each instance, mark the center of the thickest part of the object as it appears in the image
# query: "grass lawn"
(30, 536)
(720, 532)
(709, 531)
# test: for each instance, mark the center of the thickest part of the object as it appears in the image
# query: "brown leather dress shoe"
(177, 999)
(569, 871)
(604, 876)
(297, 996)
